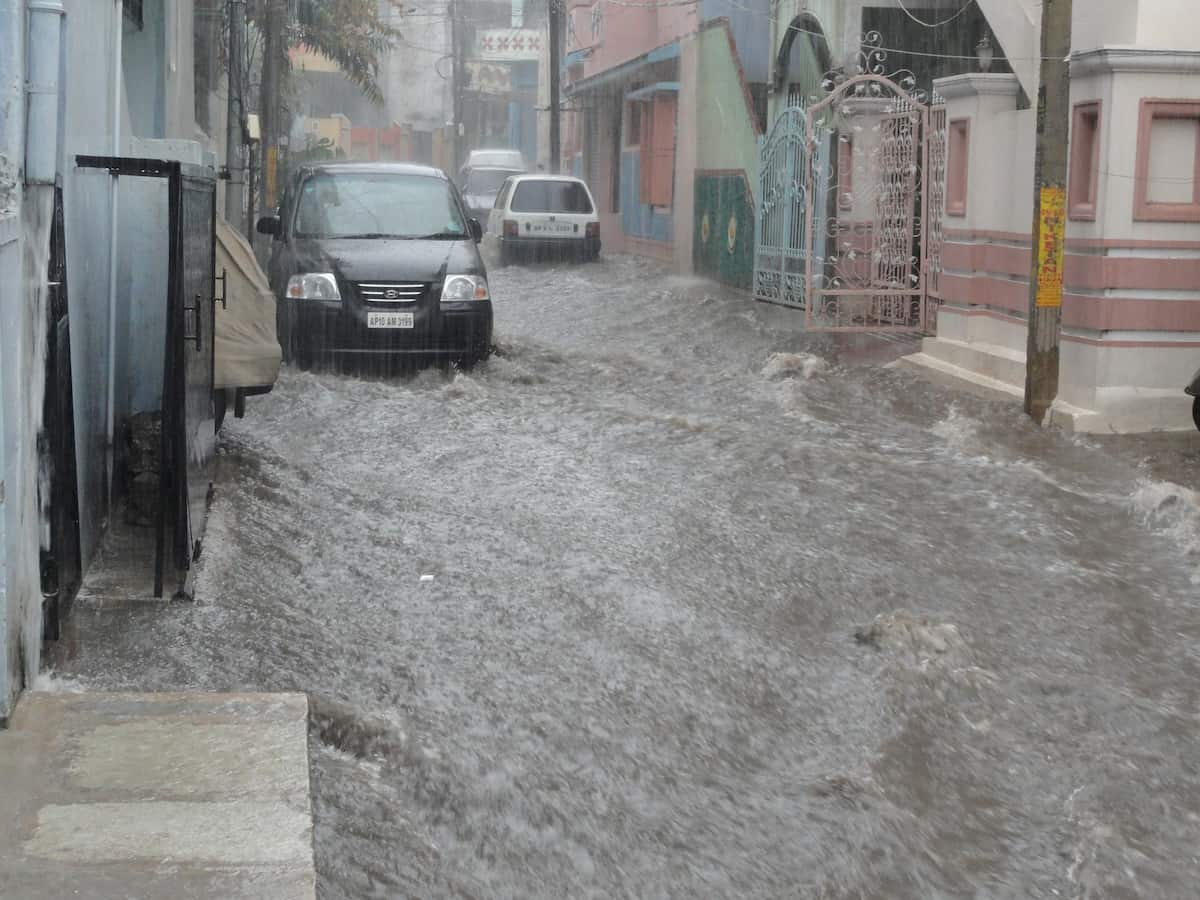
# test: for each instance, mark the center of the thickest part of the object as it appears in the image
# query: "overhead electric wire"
(907, 12)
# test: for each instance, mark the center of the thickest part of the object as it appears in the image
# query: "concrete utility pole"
(555, 25)
(456, 50)
(1049, 211)
(235, 140)
(274, 49)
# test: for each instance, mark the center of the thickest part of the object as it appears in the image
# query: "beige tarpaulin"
(247, 350)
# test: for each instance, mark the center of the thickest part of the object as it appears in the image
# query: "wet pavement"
(581, 622)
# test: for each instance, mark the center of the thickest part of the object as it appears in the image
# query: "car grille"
(390, 291)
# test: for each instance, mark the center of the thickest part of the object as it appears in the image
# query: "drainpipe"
(117, 82)
(43, 62)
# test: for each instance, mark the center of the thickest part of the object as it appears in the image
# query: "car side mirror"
(270, 225)
(476, 230)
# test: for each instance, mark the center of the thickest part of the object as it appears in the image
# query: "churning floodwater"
(581, 622)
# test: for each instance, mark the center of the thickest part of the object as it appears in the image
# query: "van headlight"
(465, 287)
(313, 286)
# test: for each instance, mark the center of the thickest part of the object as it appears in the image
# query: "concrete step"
(942, 372)
(156, 796)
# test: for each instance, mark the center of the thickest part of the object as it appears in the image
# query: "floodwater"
(581, 622)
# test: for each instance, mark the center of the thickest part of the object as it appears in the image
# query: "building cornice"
(1002, 84)
(1105, 60)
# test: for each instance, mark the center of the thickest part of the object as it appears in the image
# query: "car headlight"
(313, 286)
(465, 287)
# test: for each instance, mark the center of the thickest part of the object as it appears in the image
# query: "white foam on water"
(792, 365)
(1173, 511)
(50, 682)
(957, 430)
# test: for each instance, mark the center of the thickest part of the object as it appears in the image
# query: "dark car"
(377, 261)
(480, 187)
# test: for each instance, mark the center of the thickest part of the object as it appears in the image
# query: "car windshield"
(377, 204)
(486, 181)
(551, 197)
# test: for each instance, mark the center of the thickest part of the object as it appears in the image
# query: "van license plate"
(389, 320)
(553, 228)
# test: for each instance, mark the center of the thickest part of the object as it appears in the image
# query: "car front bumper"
(329, 329)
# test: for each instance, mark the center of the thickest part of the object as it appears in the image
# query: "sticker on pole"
(1051, 231)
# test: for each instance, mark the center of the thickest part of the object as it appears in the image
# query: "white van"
(539, 216)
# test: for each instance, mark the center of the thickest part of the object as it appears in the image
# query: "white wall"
(1166, 24)
(414, 92)
(1001, 141)
(88, 195)
(1095, 23)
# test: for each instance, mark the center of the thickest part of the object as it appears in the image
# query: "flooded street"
(581, 622)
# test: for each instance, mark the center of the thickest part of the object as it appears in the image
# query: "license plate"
(553, 228)
(389, 320)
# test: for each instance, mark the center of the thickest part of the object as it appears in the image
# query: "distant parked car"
(539, 216)
(496, 158)
(481, 185)
(377, 261)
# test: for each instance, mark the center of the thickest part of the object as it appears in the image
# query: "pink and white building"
(1131, 305)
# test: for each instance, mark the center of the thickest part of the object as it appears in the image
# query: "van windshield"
(551, 197)
(377, 205)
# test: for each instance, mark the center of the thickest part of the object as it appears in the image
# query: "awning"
(646, 93)
(624, 70)
(576, 57)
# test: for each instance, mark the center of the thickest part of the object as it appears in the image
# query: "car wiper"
(368, 235)
(440, 236)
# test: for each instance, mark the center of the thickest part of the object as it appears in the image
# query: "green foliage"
(352, 33)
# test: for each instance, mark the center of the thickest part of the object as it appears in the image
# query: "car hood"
(389, 259)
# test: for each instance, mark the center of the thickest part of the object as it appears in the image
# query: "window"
(956, 174)
(485, 181)
(1166, 185)
(133, 12)
(633, 123)
(1085, 161)
(550, 196)
(359, 204)
(614, 204)
(761, 100)
(206, 63)
(502, 197)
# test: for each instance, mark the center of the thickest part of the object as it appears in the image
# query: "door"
(61, 562)
(198, 217)
(188, 427)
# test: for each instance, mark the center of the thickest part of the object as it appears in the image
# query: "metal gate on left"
(188, 374)
(852, 193)
(188, 440)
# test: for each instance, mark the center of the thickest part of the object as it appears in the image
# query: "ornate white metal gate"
(852, 191)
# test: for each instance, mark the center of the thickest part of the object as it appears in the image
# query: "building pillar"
(12, 131)
(686, 137)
